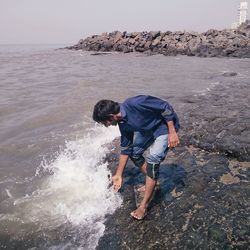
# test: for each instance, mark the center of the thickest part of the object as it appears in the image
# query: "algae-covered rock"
(204, 198)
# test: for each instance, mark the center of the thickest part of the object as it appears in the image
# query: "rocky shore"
(213, 43)
(204, 197)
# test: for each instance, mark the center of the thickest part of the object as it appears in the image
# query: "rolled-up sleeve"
(168, 113)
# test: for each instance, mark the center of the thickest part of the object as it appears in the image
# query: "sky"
(67, 21)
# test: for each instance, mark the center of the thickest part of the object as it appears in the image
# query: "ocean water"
(54, 181)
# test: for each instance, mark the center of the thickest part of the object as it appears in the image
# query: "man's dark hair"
(103, 109)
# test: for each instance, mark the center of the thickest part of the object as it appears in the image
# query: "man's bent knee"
(138, 161)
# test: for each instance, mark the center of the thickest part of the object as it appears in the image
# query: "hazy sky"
(66, 21)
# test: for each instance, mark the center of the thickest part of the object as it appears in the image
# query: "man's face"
(110, 122)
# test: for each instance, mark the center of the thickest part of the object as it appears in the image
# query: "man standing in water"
(145, 122)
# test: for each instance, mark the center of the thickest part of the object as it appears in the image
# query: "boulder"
(212, 43)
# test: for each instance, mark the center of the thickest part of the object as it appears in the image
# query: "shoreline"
(205, 181)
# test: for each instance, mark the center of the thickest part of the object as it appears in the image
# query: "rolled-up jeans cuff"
(138, 161)
(153, 170)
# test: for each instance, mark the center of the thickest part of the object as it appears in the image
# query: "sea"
(55, 190)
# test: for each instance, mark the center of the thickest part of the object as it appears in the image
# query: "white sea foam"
(212, 85)
(76, 191)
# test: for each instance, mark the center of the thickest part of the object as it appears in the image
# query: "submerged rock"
(100, 54)
(228, 74)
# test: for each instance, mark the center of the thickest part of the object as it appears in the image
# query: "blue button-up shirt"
(146, 114)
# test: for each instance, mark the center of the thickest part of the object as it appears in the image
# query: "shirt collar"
(123, 113)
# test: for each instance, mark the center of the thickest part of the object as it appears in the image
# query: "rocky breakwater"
(204, 197)
(213, 43)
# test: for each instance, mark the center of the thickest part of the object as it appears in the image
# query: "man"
(145, 122)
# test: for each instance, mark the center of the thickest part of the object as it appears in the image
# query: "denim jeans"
(158, 147)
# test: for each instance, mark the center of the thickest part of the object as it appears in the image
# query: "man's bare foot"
(143, 187)
(139, 213)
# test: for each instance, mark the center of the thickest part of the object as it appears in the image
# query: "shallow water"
(53, 177)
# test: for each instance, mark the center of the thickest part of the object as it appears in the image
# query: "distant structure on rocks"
(242, 14)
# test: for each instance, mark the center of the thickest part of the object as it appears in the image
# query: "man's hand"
(173, 140)
(117, 182)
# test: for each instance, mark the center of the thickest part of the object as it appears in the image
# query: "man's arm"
(173, 139)
(117, 178)
(126, 143)
(162, 107)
